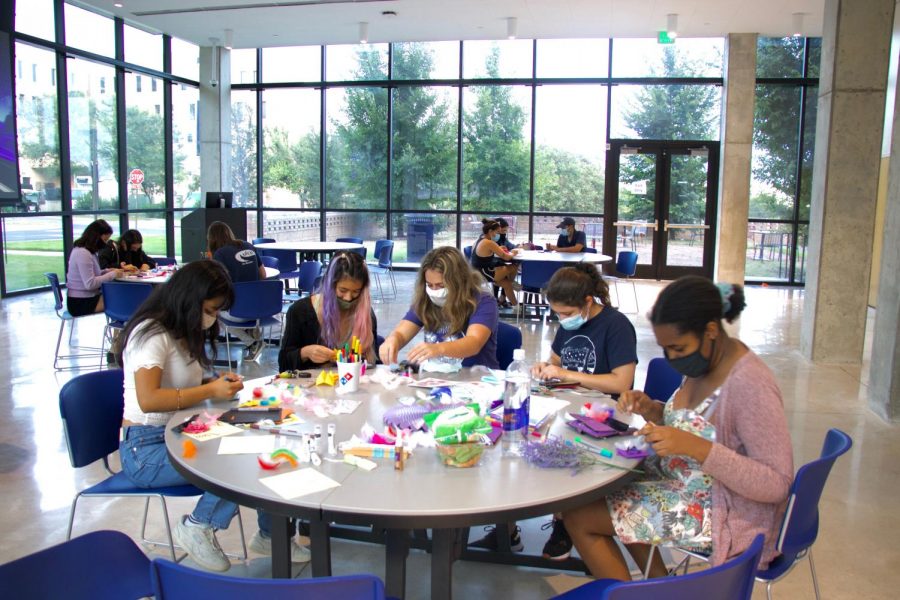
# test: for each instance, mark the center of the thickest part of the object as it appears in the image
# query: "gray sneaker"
(263, 545)
(201, 545)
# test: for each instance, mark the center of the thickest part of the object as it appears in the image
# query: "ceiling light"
(363, 33)
(229, 39)
(672, 25)
(512, 28)
(118, 4)
(797, 24)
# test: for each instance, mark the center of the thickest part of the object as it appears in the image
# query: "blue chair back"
(310, 271)
(508, 339)
(468, 252)
(287, 259)
(172, 581)
(256, 300)
(730, 581)
(350, 240)
(53, 280)
(589, 250)
(270, 261)
(626, 263)
(121, 300)
(384, 253)
(662, 379)
(536, 274)
(102, 565)
(91, 407)
(263, 240)
(164, 261)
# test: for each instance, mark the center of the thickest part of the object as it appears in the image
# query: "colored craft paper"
(301, 482)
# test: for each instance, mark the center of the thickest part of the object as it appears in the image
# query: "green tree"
(243, 154)
(39, 134)
(566, 182)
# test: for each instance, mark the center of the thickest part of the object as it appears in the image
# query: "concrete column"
(738, 98)
(215, 119)
(855, 45)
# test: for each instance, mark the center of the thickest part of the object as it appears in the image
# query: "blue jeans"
(146, 464)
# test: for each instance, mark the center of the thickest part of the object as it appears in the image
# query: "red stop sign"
(136, 177)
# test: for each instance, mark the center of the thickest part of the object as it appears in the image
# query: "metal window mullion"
(169, 148)
(121, 133)
(459, 152)
(259, 146)
(389, 159)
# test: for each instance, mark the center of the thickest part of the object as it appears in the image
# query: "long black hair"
(132, 236)
(176, 307)
(92, 240)
(692, 301)
(571, 285)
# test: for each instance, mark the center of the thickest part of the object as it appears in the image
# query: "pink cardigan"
(751, 461)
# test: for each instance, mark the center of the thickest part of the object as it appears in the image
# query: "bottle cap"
(519, 354)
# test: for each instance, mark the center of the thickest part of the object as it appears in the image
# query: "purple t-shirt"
(485, 314)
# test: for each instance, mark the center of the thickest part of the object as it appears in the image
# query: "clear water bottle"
(516, 400)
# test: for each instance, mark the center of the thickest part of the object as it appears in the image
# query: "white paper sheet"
(299, 483)
(247, 444)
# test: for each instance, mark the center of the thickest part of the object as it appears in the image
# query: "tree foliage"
(243, 154)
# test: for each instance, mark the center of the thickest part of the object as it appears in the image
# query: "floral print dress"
(671, 505)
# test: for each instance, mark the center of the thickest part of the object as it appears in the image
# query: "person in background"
(126, 254)
(458, 315)
(723, 461)
(243, 264)
(570, 240)
(85, 276)
(504, 234)
(489, 258)
(338, 311)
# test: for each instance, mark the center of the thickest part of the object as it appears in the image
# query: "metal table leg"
(446, 546)
(282, 531)
(396, 549)
(320, 547)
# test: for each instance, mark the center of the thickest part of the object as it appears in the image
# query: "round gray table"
(317, 247)
(426, 494)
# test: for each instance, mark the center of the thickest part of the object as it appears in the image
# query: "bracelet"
(177, 398)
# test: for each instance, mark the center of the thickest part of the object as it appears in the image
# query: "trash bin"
(419, 236)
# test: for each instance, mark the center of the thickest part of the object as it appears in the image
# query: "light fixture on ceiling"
(214, 62)
(672, 25)
(229, 38)
(512, 28)
(797, 24)
(363, 32)
(118, 4)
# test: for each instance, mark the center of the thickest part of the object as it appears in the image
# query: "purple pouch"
(632, 453)
(591, 427)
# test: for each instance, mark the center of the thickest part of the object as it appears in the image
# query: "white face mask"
(208, 321)
(439, 297)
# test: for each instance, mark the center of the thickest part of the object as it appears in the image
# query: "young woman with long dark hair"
(85, 276)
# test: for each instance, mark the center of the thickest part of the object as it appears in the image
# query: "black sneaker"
(489, 541)
(559, 546)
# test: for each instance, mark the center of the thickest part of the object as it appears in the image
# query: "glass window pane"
(414, 234)
(773, 184)
(291, 226)
(570, 151)
(688, 57)
(425, 60)
(471, 227)
(809, 147)
(291, 152)
(496, 59)
(35, 17)
(302, 63)
(38, 134)
(356, 148)
(369, 226)
(92, 135)
(768, 251)
(496, 151)
(666, 112)
(779, 57)
(186, 146)
(81, 221)
(573, 58)
(152, 226)
(32, 247)
(144, 132)
(143, 48)
(89, 31)
(185, 59)
(356, 62)
(424, 130)
(815, 57)
(800, 260)
(243, 147)
(243, 66)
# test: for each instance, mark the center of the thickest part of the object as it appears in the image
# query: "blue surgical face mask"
(496, 237)
(563, 231)
(572, 323)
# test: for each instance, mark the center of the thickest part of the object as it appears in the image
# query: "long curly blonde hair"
(463, 290)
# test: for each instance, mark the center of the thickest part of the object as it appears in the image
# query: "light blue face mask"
(563, 231)
(496, 237)
(573, 322)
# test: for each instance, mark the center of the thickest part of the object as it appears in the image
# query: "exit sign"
(663, 37)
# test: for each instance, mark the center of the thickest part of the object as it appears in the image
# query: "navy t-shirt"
(241, 263)
(578, 238)
(603, 343)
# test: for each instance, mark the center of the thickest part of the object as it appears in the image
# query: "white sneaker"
(200, 543)
(263, 545)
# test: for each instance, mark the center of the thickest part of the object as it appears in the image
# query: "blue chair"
(589, 250)
(120, 301)
(535, 276)
(270, 261)
(468, 252)
(662, 380)
(263, 240)
(354, 240)
(310, 271)
(508, 339)
(175, 582)
(91, 407)
(66, 317)
(287, 265)
(257, 304)
(102, 565)
(626, 266)
(384, 252)
(164, 261)
(730, 581)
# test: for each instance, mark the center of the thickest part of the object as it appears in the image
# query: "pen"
(287, 432)
(260, 409)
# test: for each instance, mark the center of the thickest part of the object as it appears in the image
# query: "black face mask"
(502, 239)
(694, 364)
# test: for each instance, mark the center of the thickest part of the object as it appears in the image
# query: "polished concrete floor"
(857, 552)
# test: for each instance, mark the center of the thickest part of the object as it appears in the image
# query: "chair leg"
(769, 590)
(72, 516)
(243, 538)
(637, 308)
(62, 326)
(812, 568)
(649, 561)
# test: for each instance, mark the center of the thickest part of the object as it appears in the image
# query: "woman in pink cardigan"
(723, 462)
(85, 276)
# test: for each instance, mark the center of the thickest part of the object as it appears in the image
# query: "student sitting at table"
(504, 234)
(723, 462)
(85, 276)
(458, 315)
(570, 240)
(321, 322)
(126, 254)
(489, 258)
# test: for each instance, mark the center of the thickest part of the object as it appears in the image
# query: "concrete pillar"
(738, 98)
(855, 46)
(215, 119)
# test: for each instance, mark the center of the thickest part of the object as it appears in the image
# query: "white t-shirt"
(161, 350)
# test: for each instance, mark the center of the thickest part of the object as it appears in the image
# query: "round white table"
(426, 494)
(566, 257)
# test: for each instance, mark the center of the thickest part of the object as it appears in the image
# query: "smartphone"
(180, 427)
(617, 425)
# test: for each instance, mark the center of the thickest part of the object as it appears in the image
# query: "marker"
(604, 452)
(287, 432)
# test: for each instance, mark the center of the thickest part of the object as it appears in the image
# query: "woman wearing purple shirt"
(459, 316)
(85, 276)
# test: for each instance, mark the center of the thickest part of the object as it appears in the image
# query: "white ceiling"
(304, 22)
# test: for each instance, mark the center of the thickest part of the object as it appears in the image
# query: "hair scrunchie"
(727, 291)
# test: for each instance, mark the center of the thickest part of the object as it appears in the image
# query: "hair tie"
(726, 290)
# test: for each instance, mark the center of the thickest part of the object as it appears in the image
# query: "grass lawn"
(36, 245)
(27, 271)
